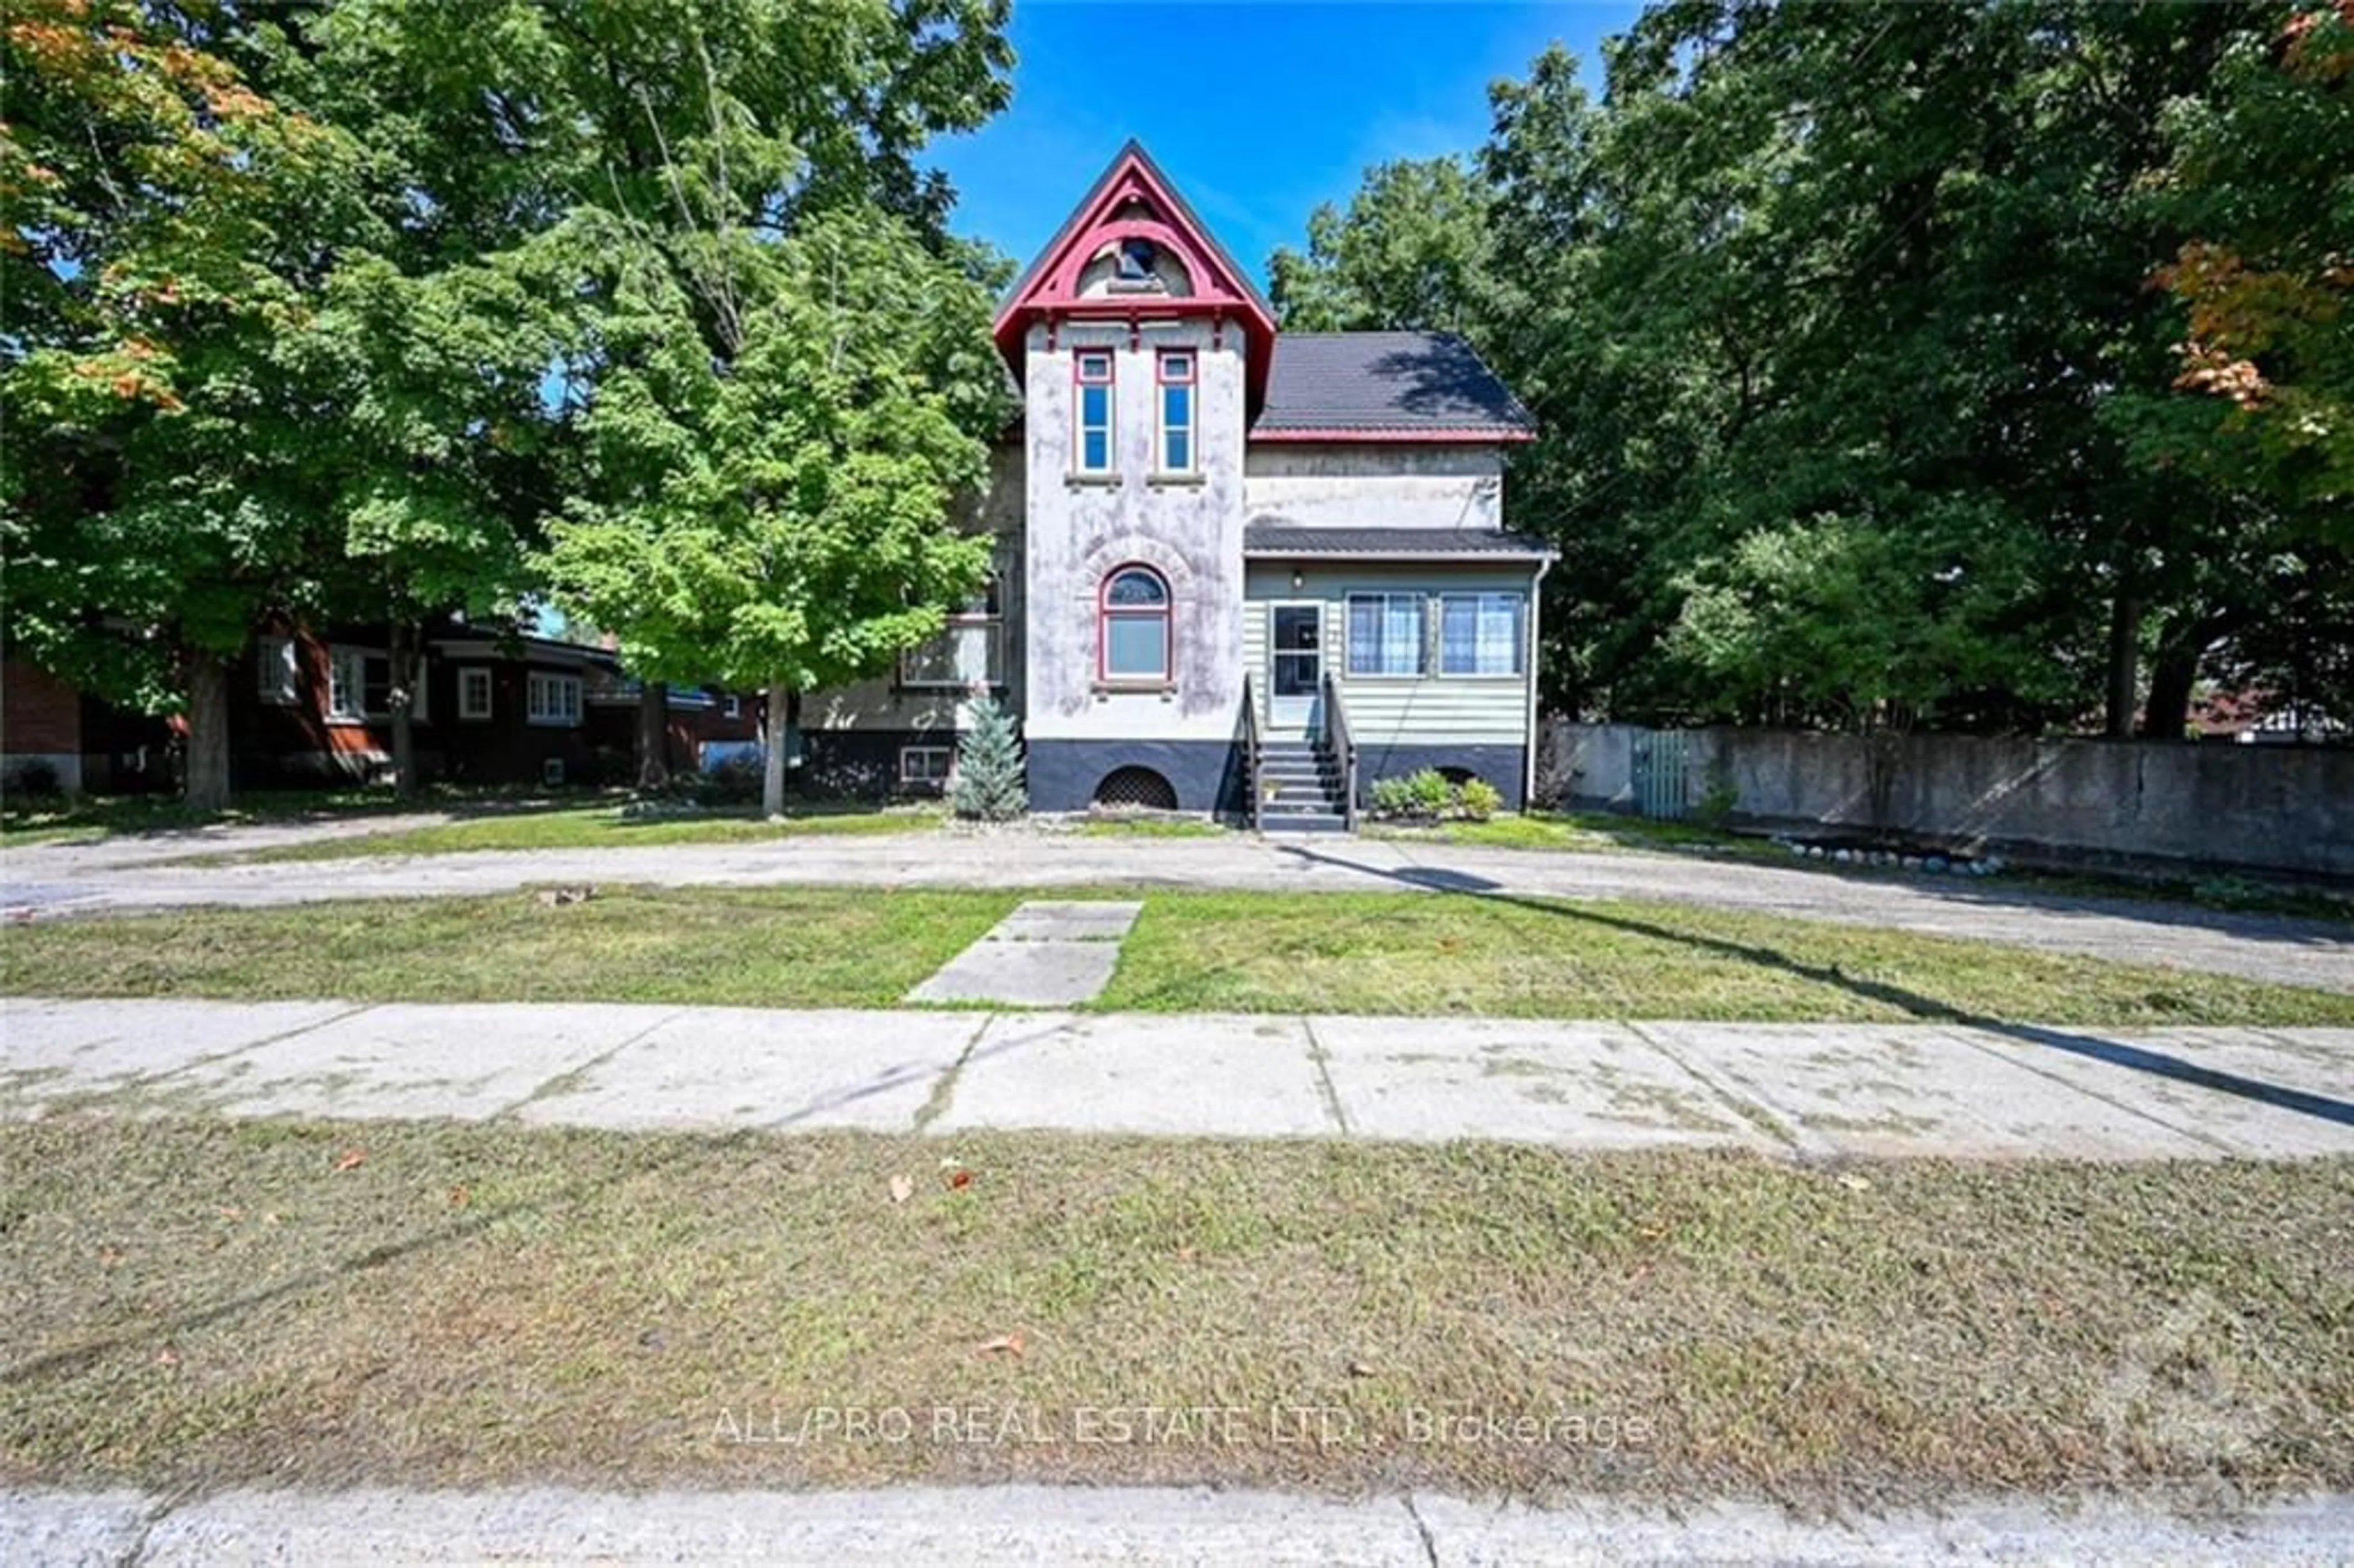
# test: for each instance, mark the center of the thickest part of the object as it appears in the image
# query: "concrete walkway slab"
(740, 1066)
(1203, 1073)
(1047, 953)
(1148, 1527)
(1892, 1091)
(1596, 1085)
(2258, 1094)
(2010, 1091)
(49, 1049)
(465, 1061)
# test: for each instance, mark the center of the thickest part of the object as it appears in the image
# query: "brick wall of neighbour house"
(40, 725)
(84, 744)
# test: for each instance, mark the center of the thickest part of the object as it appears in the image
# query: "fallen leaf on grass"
(351, 1159)
(459, 1196)
(1854, 1183)
(902, 1188)
(167, 1357)
(1360, 1368)
(1004, 1345)
(959, 1177)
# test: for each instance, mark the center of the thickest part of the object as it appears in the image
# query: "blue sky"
(1257, 111)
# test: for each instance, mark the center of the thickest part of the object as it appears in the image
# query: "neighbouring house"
(311, 707)
(1236, 569)
(56, 737)
(492, 708)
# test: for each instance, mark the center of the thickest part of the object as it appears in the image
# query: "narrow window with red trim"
(1091, 369)
(1132, 627)
(1177, 410)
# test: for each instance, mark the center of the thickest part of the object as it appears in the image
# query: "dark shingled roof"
(1274, 536)
(1401, 382)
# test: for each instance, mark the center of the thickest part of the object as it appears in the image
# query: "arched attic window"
(1132, 633)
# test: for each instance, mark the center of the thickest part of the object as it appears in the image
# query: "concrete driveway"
(61, 879)
(1805, 1091)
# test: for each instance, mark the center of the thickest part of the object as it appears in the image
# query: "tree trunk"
(206, 788)
(776, 728)
(653, 734)
(2172, 676)
(402, 657)
(2125, 665)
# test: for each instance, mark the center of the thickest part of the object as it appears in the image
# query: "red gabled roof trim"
(1048, 288)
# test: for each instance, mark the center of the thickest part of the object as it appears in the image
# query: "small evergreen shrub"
(1480, 800)
(987, 786)
(1392, 796)
(1432, 794)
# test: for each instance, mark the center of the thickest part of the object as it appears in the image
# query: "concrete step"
(1272, 824)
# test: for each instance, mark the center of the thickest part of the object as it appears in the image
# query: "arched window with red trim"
(1132, 627)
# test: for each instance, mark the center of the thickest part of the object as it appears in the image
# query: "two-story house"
(1235, 566)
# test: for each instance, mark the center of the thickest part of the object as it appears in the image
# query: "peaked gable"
(1133, 202)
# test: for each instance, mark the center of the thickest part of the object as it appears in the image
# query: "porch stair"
(1301, 788)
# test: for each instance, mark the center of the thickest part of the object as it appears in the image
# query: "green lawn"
(1150, 828)
(35, 819)
(772, 948)
(604, 827)
(1370, 953)
(198, 1303)
(1583, 832)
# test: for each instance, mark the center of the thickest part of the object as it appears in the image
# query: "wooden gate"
(1661, 760)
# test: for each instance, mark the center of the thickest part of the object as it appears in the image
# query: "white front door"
(1295, 675)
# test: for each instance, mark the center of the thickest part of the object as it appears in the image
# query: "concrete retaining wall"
(2288, 808)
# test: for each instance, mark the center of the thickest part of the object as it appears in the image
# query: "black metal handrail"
(1251, 761)
(1344, 747)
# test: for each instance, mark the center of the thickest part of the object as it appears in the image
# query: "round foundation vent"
(1138, 788)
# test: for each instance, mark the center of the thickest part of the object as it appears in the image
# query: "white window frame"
(347, 685)
(943, 755)
(1421, 622)
(274, 670)
(1081, 384)
(1518, 614)
(552, 701)
(468, 708)
(731, 706)
(1164, 383)
(983, 619)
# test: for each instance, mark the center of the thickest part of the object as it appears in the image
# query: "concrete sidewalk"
(1149, 1526)
(48, 880)
(1813, 1091)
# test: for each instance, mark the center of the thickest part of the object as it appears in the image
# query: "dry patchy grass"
(194, 1302)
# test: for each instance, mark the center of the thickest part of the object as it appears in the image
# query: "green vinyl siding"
(1386, 710)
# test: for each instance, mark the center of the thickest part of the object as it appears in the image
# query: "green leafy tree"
(790, 524)
(988, 770)
(2263, 177)
(166, 237)
(1411, 250)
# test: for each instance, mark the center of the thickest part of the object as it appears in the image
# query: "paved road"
(1150, 1527)
(1808, 1091)
(57, 879)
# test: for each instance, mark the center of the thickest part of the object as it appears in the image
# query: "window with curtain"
(1480, 633)
(1385, 634)
(1134, 626)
